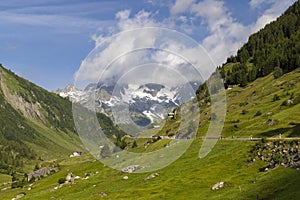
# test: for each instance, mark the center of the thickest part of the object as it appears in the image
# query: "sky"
(47, 41)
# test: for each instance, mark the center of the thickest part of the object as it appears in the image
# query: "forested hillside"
(274, 48)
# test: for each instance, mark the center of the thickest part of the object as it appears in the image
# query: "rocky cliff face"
(28, 109)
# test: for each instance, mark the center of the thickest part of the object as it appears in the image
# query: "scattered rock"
(76, 154)
(289, 102)
(271, 122)
(125, 178)
(19, 196)
(70, 178)
(275, 153)
(102, 194)
(131, 168)
(5, 188)
(269, 113)
(43, 172)
(218, 186)
(152, 176)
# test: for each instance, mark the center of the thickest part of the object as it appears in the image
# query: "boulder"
(218, 185)
(70, 178)
(102, 194)
(152, 176)
(19, 196)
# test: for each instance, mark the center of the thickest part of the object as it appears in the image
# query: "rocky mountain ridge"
(150, 102)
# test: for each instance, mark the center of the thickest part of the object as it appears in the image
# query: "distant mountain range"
(148, 103)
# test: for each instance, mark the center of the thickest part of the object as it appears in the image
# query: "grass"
(258, 96)
(59, 143)
(187, 178)
(5, 181)
(190, 177)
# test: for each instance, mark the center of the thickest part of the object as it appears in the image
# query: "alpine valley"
(256, 157)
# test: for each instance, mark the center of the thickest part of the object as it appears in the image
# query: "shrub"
(61, 180)
(277, 72)
(258, 113)
(17, 184)
(134, 144)
(244, 112)
(296, 100)
(243, 104)
(235, 121)
(284, 103)
(276, 97)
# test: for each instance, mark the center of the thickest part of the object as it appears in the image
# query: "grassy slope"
(191, 177)
(258, 96)
(51, 137)
(187, 178)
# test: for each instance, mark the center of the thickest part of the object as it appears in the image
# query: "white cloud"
(225, 37)
(122, 15)
(258, 3)
(141, 19)
(114, 46)
(181, 6)
(225, 34)
(271, 14)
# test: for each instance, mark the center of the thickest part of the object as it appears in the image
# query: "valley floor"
(187, 178)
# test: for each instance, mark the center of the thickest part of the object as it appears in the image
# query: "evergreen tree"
(277, 72)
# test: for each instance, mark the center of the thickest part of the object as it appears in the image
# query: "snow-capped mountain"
(147, 103)
(72, 93)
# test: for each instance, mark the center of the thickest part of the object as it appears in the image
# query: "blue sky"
(46, 41)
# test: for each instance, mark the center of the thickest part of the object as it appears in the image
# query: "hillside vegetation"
(36, 125)
(263, 103)
(274, 48)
